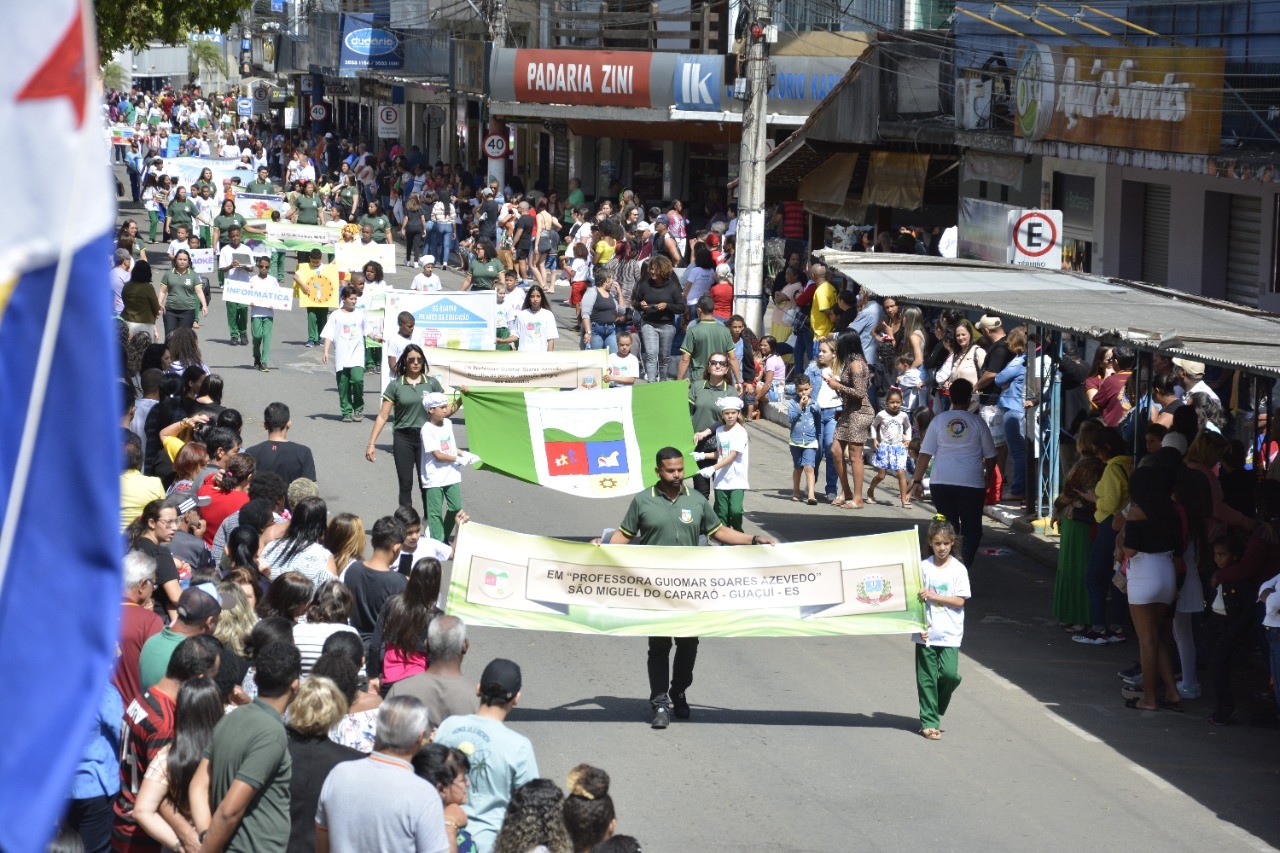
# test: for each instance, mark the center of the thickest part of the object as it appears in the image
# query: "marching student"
(262, 317)
(441, 461)
(946, 589)
(729, 473)
(344, 333)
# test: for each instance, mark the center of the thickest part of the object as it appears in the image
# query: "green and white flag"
(591, 443)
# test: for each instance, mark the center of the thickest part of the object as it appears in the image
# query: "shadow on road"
(628, 709)
(1010, 630)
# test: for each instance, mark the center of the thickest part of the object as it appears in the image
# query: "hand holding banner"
(856, 585)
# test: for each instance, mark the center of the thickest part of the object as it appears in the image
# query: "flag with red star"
(59, 453)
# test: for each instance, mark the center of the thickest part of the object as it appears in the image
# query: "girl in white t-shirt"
(441, 464)
(946, 589)
(624, 367)
(890, 434)
(729, 474)
(535, 325)
(427, 280)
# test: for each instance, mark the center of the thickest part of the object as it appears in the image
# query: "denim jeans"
(803, 351)
(1015, 440)
(827, 424)
(1273, 643)
(604, 336)
(1097, 577)
(656, 340)
(446, 243)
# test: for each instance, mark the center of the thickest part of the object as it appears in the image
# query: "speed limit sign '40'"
(495, 146)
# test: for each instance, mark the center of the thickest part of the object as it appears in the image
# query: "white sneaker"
(1188, 692)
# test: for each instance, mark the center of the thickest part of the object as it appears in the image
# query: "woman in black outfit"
(658, 297)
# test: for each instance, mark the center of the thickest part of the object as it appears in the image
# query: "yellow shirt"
(604, 252)
(824, 299)
(136, 491)
(1113, 489)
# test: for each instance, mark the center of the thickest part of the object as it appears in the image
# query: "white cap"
(434, 399)
(729, 404)
(428, 259)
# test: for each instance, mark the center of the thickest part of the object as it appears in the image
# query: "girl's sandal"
(931, 734)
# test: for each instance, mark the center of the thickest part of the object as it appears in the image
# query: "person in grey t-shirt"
(443, 688)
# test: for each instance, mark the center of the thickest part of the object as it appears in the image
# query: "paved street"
(811, 744)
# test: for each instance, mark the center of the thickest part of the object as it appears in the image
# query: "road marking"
(1072, 727)
(1153, 779)
(998, 679)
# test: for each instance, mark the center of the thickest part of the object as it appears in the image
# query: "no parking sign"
(388, 121)
(1036, 238)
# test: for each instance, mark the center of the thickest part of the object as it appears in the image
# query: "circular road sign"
(1030, 237)
(495, 146)
(319, 112)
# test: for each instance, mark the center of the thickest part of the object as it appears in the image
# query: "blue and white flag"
(60, 442)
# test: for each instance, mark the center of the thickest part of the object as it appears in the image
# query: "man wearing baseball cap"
(1192, 375)
(501, 759)
(663, 242)
(198, 612)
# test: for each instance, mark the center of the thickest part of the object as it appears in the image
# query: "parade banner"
(563, 371)
(855, 585)
(374, 303)
(298, 237)
(253, 292)
(202, 261)
(444, 319)
(187, 170)
(321, 286)
(351, 257)
(589, 443)
(259, 205)
(120, 134)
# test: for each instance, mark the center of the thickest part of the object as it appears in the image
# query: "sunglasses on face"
(718, 363)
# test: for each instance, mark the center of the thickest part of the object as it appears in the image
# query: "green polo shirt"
(308, 208)
(250, 745)
(379, 224)
(406, 401)
(654, 519)
(702, 403)
(260, 187)
(703, 340)
(182, 212)
(224, 224)
(153, 660)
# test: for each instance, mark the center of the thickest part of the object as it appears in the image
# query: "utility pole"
(497, 20)
(749, 258)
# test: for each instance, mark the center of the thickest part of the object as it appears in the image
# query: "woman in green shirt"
(205, 180)
(402, 404)
(484, 269)
(181, 211)
(378, 221)
(181, 291)
(225, 220)
(705, 414)
(306, 207)
(348, 196)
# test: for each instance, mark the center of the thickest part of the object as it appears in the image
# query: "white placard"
(263, 295)
(202, 261)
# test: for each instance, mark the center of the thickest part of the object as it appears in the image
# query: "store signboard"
(468, 65)
(984, 230)
(1150, 98)
(700, 83)
(368, 43)
(600, 78)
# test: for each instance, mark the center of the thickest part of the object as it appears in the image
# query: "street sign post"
(1036, 237)
(319, 112)
(388, 121)
(244, 107)
(495, 146)
(261, 98)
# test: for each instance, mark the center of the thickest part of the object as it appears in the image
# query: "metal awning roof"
(1142, 315)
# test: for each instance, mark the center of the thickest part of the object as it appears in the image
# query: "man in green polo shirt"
(262, 185)
(670, 513)
(704, 339)
(240, 793)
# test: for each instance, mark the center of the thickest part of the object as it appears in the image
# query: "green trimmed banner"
(590, 443)
(854, 585)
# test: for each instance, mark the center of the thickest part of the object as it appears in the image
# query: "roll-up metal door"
(560, 162)
(1244, 249)
(1155, 234)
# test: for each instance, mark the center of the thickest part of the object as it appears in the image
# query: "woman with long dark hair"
(299, 549)
(141, 305)
(413, 228)
(150, 533)
(229, 494)
(288, 598)
(535, 325)
(399, 646)
(168, 777)
(853, 425)
(184, 350)
(402, 404)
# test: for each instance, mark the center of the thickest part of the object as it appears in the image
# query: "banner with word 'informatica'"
(590, 443)
(853, 585)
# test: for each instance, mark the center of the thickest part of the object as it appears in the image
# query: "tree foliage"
(130, 23)
(205, 56)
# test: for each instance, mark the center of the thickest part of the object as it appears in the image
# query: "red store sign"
(599, 78)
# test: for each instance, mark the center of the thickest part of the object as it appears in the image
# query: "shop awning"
(825, 190)
(1145, 316)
